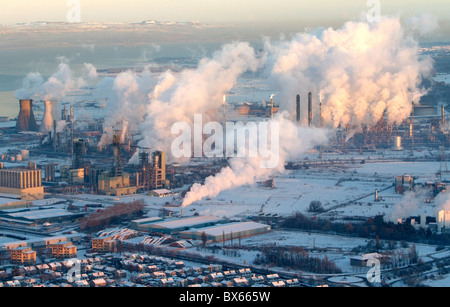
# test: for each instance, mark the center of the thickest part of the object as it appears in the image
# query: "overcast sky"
(212, 11)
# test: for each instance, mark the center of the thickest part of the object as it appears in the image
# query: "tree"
(315, 206)
(204, 239)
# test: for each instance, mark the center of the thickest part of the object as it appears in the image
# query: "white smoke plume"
(57, 86)
(91, 71)
(410, 205)
(359, 73)
(442, 202)
(293, 141)
(60, 83)
(30, 86)
(177, 97)
(362, 71)
(126, 98)
(422, 23)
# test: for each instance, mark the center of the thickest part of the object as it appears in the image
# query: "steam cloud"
(176, 98)
(126, 98)
(58, 85)
(293, 141)
(360, 72)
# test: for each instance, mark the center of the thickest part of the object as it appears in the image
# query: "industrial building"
(404, 183)
(443, 221)
(115, 185)
(49, 172)
(161, 193)
(174, 226)
(362, 261)
(25, 182)
(71, 175)
(141, 224)
(116, 182)
(226, 232)
(153, 175)
(35, 217)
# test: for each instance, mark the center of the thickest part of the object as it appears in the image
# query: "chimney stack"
(309, 109)
(271, 107)
(443, 121)
(411, 132)
(26, 120)
(298, 110)
(54, 136)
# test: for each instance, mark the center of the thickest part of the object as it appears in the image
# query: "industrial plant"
(300, 164)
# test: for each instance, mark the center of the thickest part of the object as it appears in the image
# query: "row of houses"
(134, 270)
(26, 255)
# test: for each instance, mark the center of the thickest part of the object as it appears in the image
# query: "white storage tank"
(25, 154)
(397, 143)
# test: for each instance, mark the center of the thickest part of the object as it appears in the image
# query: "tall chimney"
(26, 120)
(54, 136)
(443, 121)
(50, 114)
(309, 109)
(298, 110)
(320, 116)
(64, 114)
(117, 169)
(411, 132)
(71, 129)
(271, 107)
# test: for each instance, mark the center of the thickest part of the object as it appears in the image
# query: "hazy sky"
(212, 11)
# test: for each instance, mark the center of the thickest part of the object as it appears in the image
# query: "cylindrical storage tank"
(397, 143)
(12, 159)
(25, 154)
(18, 158)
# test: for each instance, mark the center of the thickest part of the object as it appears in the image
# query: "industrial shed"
(174, 226)
(32, 217)
(227, 231)
(145, 223)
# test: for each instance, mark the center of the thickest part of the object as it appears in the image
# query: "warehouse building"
(34, 217)
(174, 226)
(226, 232)
(143, 224)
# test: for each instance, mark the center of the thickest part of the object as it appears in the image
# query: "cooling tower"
(26, 120)
(50, 114)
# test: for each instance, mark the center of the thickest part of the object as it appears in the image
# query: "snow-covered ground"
(353, 187)
(442, 78)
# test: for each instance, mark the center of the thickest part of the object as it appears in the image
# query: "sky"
(212, 11)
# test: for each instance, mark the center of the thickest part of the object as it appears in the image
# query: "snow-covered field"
(442, 78)
(353, 188)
